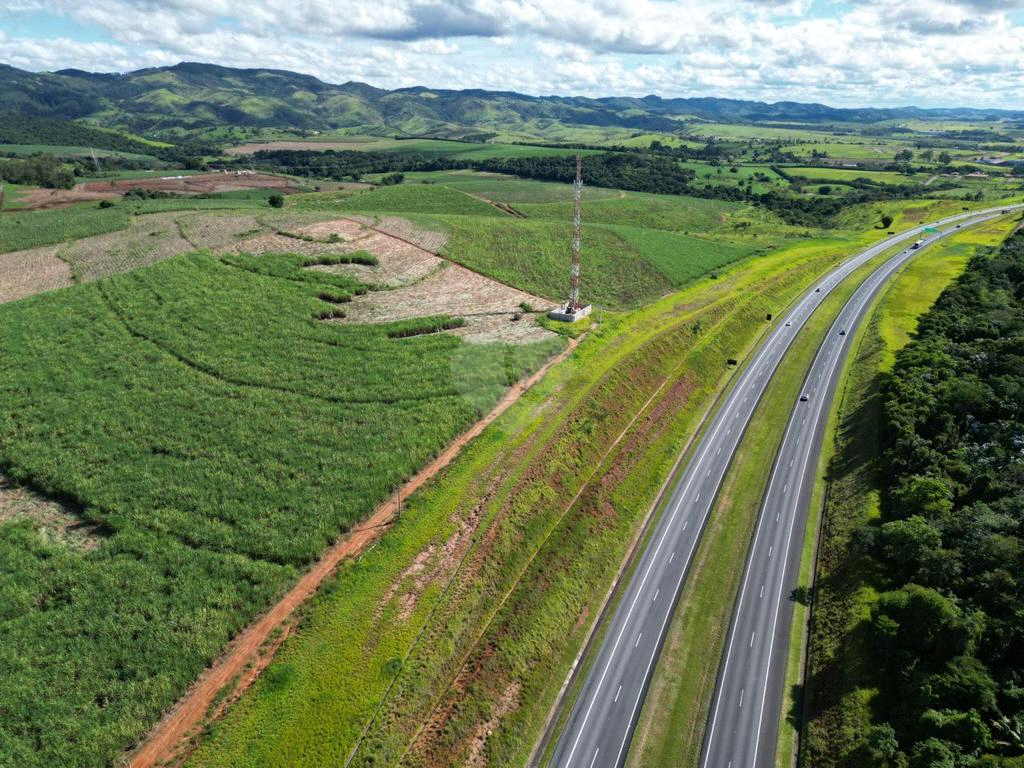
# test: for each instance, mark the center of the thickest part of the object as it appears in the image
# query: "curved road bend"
(604, 714)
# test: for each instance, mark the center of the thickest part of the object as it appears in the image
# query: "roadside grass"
(219, 437)
(525, 531)
(831, 712)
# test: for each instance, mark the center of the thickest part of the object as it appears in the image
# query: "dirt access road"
(170, 741)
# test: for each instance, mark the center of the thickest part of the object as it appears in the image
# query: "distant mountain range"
(188, 96)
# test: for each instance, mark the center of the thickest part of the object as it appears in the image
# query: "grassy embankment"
(636, 248)
(834, 712)
(460, 649)
(210, 438)
(673, 720)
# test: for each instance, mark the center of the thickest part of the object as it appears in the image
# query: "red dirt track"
(169, 741)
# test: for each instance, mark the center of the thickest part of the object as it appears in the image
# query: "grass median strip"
(673, 720)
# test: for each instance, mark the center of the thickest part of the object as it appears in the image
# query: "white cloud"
(864, 52)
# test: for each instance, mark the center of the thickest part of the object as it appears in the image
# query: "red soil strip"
(172, 737)
(202, 183)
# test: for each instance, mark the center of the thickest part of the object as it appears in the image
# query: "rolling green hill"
(195, 96)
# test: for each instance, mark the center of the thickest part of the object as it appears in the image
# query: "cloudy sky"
(854, 53)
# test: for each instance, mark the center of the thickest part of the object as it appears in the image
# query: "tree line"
(944, 643)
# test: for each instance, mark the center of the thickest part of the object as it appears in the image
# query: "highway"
(604, 714)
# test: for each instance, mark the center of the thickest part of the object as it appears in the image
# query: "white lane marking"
(671, 557)
(742, 691)
(785, 487)
(696, 498)
(617, 694)
(708, 474)
(770, 551)
(595, 757)
(638, 639)
(752, 639)
(739, 608)
(762, 592)
(656, 593)
(719, 450)
(686, 523)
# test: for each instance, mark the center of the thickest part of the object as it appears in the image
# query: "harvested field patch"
(24, 273)
(54, 522)
(428, 239)
(503, 328)
(148, 240)
(204, 230)
(343, 229)
(272, 242)
(400, 264)
(452, 290)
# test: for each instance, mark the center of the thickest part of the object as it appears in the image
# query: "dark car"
(803, 398)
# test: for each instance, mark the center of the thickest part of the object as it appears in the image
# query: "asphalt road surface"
(602, 719)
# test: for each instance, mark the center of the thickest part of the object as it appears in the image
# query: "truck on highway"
(917, 244)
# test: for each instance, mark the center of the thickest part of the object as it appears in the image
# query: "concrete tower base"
(567, 315)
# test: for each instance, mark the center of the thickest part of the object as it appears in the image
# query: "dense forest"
(18, 129)
(38, 171)
(944, 642)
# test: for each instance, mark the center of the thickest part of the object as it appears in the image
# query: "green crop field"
(637, 247)
(212, 437)
(852, 174)
(29, 229)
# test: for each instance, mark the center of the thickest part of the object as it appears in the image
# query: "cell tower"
(574, 282)
(574, 309)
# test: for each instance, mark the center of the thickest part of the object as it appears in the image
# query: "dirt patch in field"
(147, 240)
(199, 184)
(24, 273)
(54, 522)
